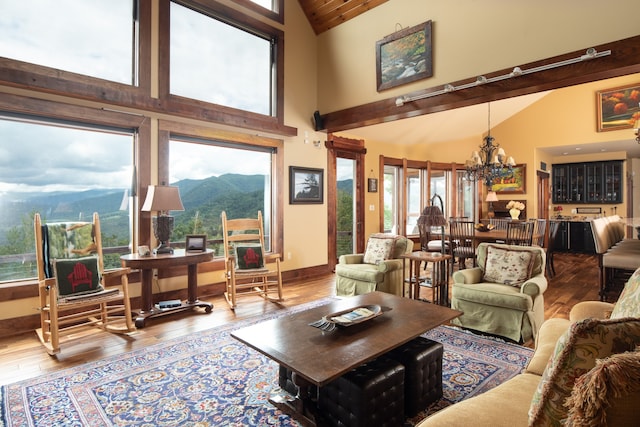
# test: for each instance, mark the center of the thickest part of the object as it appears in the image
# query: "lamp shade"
(432, 217)
(491, 197)
(162, 198)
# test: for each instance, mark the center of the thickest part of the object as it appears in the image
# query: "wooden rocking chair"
(74, 290)
(246, 261)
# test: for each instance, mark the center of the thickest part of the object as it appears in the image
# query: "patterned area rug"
(211, 379)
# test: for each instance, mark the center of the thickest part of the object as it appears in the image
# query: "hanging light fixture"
(490, 162)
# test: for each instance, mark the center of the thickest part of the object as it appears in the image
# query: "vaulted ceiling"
(326, 14)
(378, 120)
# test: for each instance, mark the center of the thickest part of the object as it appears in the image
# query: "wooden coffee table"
(317, 357)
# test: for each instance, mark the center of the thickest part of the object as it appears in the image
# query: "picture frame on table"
(306, 185)
(196, 243)
(618, 108)
(514, 184)
(404, 56)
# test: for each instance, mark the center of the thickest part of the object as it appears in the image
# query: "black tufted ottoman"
(422, 359)
(370, 395)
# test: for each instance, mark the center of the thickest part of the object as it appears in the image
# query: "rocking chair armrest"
(272, 257)
(116, 272)
(115, 277)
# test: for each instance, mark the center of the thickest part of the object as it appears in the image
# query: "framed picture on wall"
(404, 56)
(306, 185)
(514, 184)
(618, 108)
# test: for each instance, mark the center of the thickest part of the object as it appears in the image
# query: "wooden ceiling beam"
(624, 60)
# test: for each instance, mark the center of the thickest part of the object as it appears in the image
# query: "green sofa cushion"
(493, 294)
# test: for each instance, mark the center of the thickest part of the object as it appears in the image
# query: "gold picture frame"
(618, 108)
(515, 184)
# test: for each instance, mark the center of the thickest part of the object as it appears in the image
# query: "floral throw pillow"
(508, 266)
(575, 354)
(628, 304)
(378, 249)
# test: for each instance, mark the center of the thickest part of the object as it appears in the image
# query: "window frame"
(203, 110)
(168, 129)
(275, 15)
(91, 117)
(400, 197)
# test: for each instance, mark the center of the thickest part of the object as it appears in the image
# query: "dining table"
(491, 236)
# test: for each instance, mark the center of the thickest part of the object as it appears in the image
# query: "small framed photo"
(372, 185)
(306, 185)
(196, 243)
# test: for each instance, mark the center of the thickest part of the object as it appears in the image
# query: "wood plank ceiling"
(326, 14)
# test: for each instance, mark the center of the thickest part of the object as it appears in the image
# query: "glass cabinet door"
(594, 182)
(613, 182)
(576, 183)
(560, 183)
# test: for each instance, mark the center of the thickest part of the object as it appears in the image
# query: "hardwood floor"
(23, 357)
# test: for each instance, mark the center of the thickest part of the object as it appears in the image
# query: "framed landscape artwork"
(618, 107)
(306, 185)
(404, 56)
(514, 184)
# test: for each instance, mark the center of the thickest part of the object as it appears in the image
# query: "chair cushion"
(575, 354)
(77, 276)
(628, 304)
(508, 266)
(249, 256)
(379, 248)
(66, 240)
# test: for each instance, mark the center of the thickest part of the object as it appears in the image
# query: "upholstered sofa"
(585, 372)
(503, 295)
(378, 269)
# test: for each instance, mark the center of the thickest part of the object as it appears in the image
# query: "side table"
(146, 265)
(439, 275)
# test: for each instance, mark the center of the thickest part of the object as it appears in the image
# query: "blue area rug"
(211, 379)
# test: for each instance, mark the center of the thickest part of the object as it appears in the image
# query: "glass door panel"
(345, 206)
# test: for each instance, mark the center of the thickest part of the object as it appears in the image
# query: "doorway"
(345, 197)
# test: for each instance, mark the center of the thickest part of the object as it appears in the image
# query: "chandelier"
(491, 162)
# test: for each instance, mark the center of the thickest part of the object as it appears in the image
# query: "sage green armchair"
(374, 270)
(504, 294)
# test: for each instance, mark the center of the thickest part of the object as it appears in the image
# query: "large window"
(213, 177)
(65, 172)
(421, 183)
(215, 61)
(96, 38)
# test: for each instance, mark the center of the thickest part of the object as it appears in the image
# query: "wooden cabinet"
(575, 236)
(592, 182)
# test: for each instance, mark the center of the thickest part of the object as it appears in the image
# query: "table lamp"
(491, 197)
(432, 217)
(162, 199)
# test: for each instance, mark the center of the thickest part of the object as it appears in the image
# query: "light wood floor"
(23, 357)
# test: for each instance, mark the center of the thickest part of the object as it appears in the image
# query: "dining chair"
(539, 232)
(520, 233)
(554, 227)
(462, 234)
